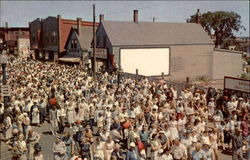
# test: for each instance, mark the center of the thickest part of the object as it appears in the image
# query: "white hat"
(132, 144)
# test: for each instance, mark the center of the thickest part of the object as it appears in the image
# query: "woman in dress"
(154, 148)
(67, 139)
(110, 144)
(99, 149)
(81, 111)
(7, 126)
(35, 114)
(71, 114)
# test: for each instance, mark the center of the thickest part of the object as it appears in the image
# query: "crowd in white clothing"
(135, 119)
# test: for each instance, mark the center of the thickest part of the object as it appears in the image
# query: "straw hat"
(132, 144)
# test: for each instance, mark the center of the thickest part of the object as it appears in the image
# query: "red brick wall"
(12, 35)
(66, 25)
(65, 30)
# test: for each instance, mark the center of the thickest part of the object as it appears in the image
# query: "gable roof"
(155, 33)
(84, 39)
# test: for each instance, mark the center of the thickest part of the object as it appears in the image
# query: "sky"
(20, 13)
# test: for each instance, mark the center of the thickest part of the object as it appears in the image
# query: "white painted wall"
(226, 63)
(148, 61)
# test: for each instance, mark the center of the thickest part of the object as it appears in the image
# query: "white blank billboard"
(148, 61)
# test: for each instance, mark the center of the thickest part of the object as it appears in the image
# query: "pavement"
(5, 154)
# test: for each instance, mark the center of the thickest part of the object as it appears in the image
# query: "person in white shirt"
(198, 153)
(166, 155)
(179, 150)
(187, 139)
(211, 106)
(209, 152)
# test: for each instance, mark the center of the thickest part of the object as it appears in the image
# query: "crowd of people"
(101, 119)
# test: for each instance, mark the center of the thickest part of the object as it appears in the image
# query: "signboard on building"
(241, 87)
(23, 47)
(5, 90)
(100, 53)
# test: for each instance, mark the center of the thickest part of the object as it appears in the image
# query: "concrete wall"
(226, 63)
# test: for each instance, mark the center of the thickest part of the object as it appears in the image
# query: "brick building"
(12, 37)
(49, 36)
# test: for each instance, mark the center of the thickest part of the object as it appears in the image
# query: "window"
(74, 43)
(33, 38)
(53, 37)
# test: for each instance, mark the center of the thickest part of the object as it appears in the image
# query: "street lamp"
(3, 62)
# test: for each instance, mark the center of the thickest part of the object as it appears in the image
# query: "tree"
(221, 23)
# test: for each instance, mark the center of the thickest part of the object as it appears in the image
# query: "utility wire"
(117, 13)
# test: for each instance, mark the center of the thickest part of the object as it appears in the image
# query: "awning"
(69, 58)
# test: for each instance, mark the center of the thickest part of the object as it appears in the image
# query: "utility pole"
(94, 41)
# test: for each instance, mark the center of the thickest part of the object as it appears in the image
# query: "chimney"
(101, 18)
(79, 26)
(198, 17)
(136, 16)
(6, 24)
(59, 17)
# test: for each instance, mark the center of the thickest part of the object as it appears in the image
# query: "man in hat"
(237, 144)
(117, 154)
(132, 153)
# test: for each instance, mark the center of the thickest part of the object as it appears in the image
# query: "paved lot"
(47, 140)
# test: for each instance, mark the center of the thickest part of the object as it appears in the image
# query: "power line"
(117, 13)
